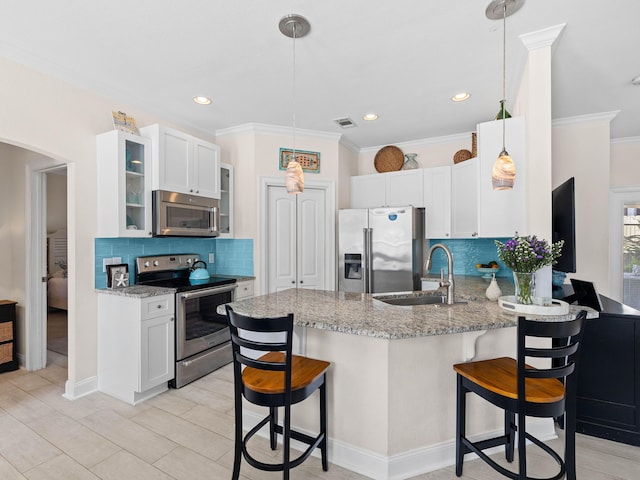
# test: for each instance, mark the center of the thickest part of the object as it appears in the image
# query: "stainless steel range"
(202, 336)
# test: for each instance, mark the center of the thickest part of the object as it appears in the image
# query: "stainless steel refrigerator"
(380, 249)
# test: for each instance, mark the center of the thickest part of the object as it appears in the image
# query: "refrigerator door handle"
(365, 261)
(368, 262)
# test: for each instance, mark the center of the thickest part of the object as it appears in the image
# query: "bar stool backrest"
(239, 324)
(563, 352)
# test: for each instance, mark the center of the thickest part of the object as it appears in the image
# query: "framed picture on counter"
(117, 275)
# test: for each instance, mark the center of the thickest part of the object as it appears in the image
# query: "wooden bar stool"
(275, 379)
(519, 389)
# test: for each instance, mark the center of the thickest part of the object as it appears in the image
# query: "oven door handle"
(207, 291)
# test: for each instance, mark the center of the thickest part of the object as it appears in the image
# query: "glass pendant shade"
(503, 175)
(294, 179)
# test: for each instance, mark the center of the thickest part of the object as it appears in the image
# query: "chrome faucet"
(449, 282)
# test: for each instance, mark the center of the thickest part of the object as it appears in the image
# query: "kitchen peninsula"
(391, 387)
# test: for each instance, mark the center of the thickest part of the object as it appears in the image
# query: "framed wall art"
(309, 161)
(117, 275)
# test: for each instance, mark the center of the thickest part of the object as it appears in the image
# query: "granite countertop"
(137, 291)
(362, 314)
(142, 291)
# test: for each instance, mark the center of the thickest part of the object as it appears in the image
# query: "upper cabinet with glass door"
(226, 200)
(124, 185)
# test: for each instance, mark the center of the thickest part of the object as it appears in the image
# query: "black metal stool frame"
(564, 355)
(273, 401)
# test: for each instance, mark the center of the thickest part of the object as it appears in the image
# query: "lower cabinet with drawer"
(136, 345)
(244, 290)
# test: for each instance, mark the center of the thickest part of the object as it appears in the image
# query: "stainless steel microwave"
(182, 215)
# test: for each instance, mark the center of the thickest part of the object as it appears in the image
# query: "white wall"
(6, 231)
(56, 202)
(625, 162)
(582, 150)
(59, 121)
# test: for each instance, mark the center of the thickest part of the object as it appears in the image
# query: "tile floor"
(180, 435)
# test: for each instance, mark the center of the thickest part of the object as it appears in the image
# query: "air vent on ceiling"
(345, 122)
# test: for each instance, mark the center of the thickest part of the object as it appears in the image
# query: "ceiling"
(402, 60)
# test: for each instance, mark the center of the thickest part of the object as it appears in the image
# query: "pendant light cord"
(294, 93)
(504, 70)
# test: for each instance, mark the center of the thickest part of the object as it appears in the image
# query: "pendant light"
(503, 174)
(294, 26)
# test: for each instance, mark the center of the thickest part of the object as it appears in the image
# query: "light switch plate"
(211, 258)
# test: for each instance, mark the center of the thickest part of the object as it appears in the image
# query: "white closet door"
(281, 221)
(296, 238)
(311, 239)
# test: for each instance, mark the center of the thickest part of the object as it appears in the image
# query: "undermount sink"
(418, 300)
(412, 298)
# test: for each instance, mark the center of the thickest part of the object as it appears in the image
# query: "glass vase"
(411, 163)
(525, 283)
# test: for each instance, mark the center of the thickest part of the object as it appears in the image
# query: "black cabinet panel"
(609, 378)
(8, 354)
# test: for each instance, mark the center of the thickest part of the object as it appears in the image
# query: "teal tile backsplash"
(232, 256)
(466, 253)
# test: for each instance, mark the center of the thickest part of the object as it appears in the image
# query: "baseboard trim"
(406, 464)
(75, 390)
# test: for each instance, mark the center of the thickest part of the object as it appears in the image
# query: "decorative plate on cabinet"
(388, 159)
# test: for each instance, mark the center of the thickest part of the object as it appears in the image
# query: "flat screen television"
(564, 224)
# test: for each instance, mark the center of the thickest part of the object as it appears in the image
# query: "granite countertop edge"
(137, 291)
(362, 315)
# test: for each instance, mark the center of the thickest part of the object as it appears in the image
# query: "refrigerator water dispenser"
(353, 266)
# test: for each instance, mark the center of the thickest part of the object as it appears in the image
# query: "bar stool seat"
(522, 390)
(275, 379)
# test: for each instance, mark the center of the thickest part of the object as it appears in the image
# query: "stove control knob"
(188, 262)
(156, 263)
(146, 264)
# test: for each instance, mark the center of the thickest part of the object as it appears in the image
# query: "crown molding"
(625, 140)
(542, 38)
(276, 130)
(582, 119)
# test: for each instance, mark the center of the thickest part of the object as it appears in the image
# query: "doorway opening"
(631, 255)
(624, 245)
(56, 265)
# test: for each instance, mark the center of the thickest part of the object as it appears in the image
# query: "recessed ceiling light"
(461, 97)
(202, 100)
(635, 80)
(370, 117)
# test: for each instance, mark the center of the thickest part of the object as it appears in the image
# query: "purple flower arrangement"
(528, 254)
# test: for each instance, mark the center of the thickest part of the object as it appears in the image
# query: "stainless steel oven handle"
(207, 291)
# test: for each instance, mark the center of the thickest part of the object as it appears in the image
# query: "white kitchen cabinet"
(226, 200)
(437, 202)
(502, 212)
(124, 185)
(183, 163)
(368, 191)
(405, 188)
(392, 189)
(244, 290)
(136, 345)
(464, 199)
